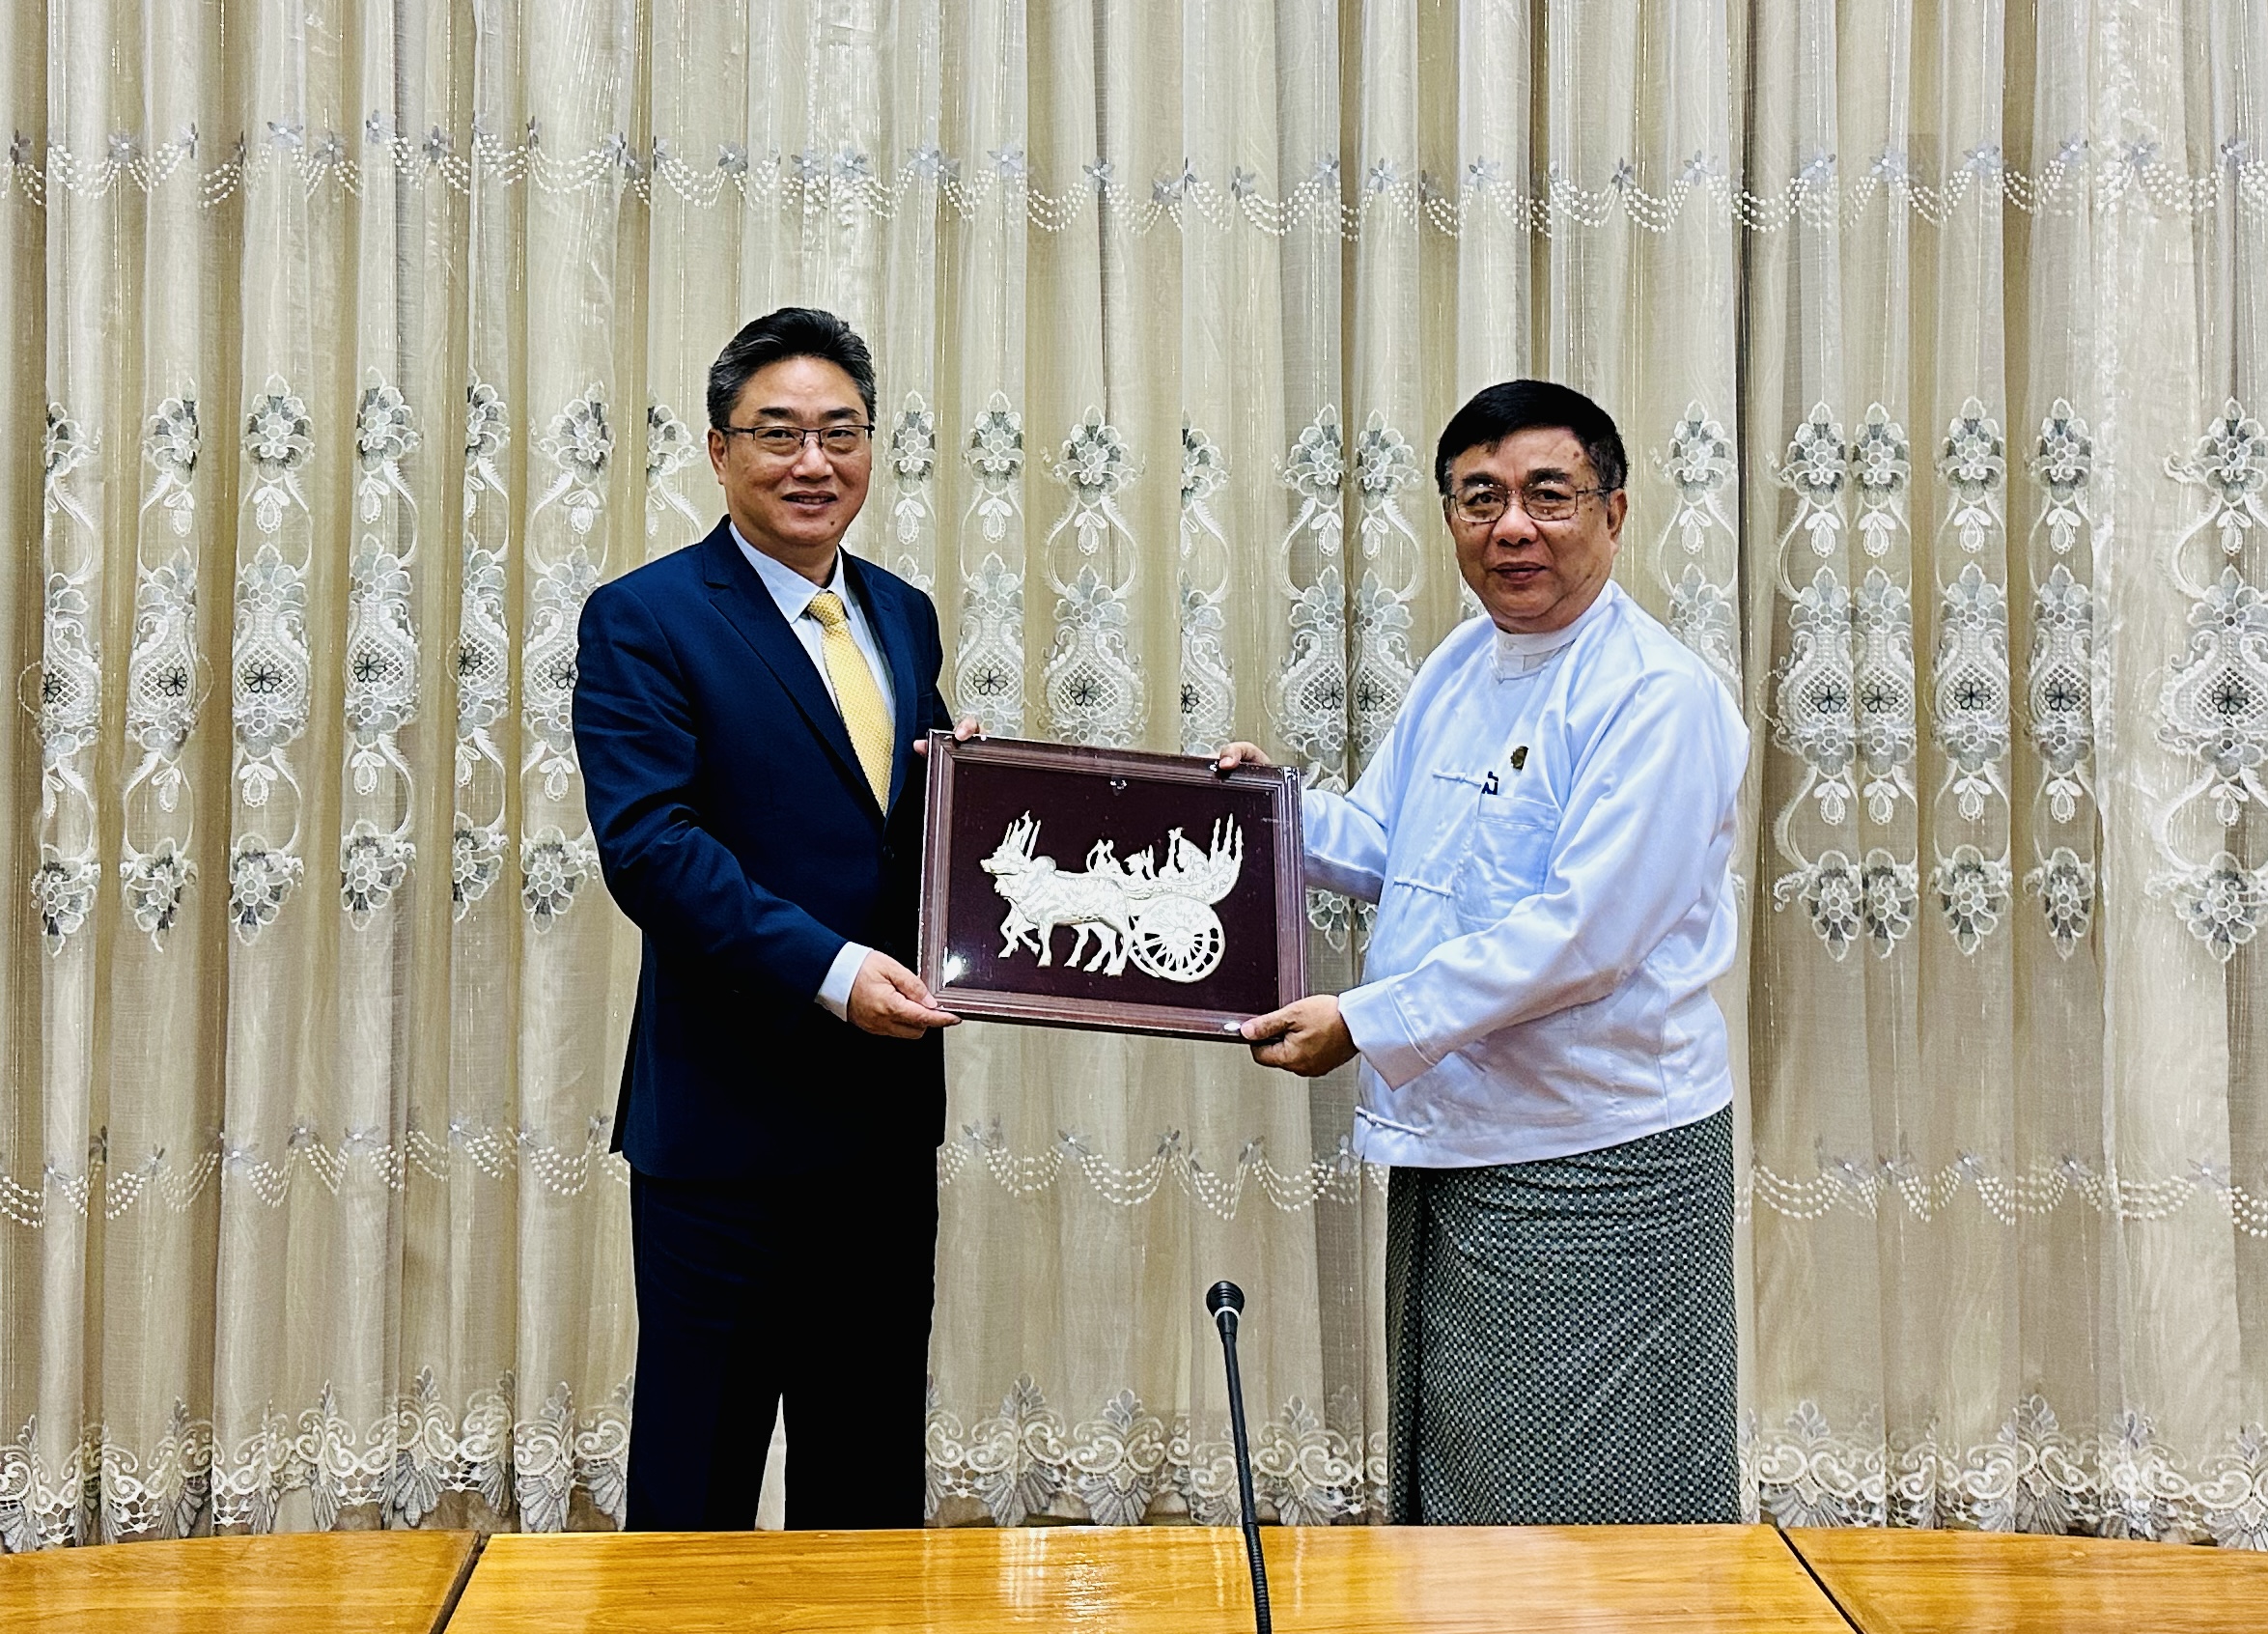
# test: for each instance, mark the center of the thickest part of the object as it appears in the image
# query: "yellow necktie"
(855, 695)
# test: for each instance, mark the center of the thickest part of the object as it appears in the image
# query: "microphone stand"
(1226, 1301)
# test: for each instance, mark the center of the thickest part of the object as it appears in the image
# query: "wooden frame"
(990, 801)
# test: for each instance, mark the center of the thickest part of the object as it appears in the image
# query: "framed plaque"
(1109, 890)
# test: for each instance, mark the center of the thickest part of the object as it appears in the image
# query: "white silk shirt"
(1548, 833)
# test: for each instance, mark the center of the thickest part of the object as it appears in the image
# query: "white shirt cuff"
(1376, 1024)
(835, 993)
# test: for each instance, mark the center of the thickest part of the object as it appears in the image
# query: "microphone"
(1226, 1303)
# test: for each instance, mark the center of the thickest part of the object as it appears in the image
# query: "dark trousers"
(811, 1289)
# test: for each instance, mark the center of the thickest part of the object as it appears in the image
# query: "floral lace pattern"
(272, 671)
(1881, 466)
(546, 706)
(2058, 688)
(161, 712)
(1814, 715)
(1094, 689)
(70, 679)
(1700, 462)
(581, 446)
(987, 663)
(1892, 895)
(2213, 705)
(670, 447)
(161, 671)
(1883, 691)
(911, 455)
(271, 660)
(1972, 890)
(70, 703)
(372, 866)
(1833, 893)
(844, 180)
(1815, 470)
(552, 868)
(171, 443)
(154, 882)
(564, 567)
(975, 1151)
(260, 880)
(1971, 463)
(2062, 462)
(484, 655)
(381, 662)
(376, 853)
(2064, 882)
(1383, 665)
(1971, 713)
(2033, 1476)
(989, 666)
(1704, 612)
(63, 894)
(279, 438)
(1309, 695)
(397, 1465)
(1126, 1464)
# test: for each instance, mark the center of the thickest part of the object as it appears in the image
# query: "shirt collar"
(789, 589)
(1517, 654)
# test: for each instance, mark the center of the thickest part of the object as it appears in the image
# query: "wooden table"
(1326, 1580)
(1323, 1580)
(300, 1583)
(1989, 1583)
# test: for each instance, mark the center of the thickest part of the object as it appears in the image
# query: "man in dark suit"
(748, 712)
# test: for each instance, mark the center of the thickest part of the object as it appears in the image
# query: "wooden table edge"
(458, 1584)
(1820, 1583)
(505, 1554)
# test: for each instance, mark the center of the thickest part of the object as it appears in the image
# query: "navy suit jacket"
(737, 830)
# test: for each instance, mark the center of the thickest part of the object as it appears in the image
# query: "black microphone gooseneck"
(1226, 1301)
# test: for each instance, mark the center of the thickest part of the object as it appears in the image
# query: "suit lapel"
(736, 592)
(880, 600)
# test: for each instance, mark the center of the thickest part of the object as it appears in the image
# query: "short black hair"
(792, 331)
(1497, 411)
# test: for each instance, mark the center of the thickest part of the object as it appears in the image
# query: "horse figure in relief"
(1042, 897)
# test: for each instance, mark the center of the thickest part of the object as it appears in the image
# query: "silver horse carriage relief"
(1158, 913)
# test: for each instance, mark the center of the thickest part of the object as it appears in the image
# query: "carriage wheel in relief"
(1177, 939)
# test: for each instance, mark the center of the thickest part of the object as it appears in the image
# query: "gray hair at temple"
(1494, 412)
(792, 331)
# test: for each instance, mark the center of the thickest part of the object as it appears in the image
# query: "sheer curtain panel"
(358, 340)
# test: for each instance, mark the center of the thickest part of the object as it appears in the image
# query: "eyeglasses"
(1542, 501)
(786, 442)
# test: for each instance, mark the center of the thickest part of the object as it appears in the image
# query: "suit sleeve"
(633, 731)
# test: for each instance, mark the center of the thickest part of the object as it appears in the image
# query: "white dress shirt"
(793, 593)
(1548, 833)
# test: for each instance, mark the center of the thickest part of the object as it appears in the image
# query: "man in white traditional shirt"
(1548, 833)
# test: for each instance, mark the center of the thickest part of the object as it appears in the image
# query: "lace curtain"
(358, 341)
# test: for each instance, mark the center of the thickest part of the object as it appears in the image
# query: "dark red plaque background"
(1078, 796)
